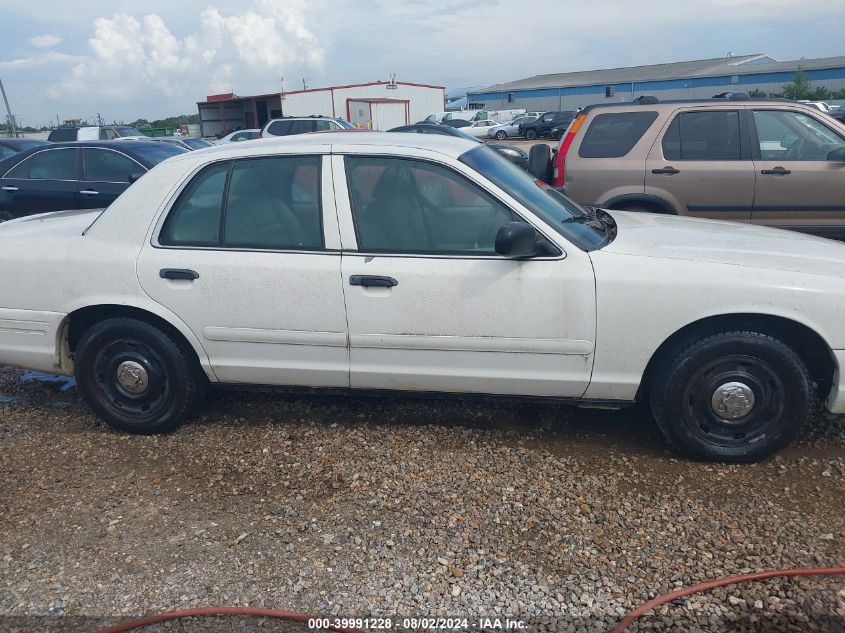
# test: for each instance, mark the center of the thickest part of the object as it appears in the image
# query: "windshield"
(552, 206)
(463, 134)
(196, 143)
(154, 153)
(128, 131)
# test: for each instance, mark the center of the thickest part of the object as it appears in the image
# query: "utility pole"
(14, 129)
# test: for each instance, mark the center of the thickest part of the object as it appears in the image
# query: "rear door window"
(195, 219)
(706, 135)
(302, 126)
(61, 135)
(614, 134)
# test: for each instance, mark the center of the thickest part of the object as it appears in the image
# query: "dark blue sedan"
(80, 175)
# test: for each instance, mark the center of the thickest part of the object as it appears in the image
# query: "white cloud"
(40, 60)
(131, 57)
(45, 41)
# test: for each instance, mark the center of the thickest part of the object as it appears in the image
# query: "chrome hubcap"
(133, 377)
(733, 400)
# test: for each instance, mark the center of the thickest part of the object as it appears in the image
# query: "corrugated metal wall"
(570, 98)
(308, 103)
(388, 115)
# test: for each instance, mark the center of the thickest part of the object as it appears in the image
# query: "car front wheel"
(137, 377)
(732, 397)
(501, 135)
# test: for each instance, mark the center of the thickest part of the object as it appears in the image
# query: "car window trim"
(76, 161)
(107, 149)
(161, 223)
(436, 254)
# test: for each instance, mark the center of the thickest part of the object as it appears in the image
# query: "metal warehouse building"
(681, 80)
(379, 105)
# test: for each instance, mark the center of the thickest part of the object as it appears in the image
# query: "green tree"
(799, 88)
(756, 93)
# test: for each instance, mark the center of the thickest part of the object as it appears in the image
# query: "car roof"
(24, 142)
(130, 147)
(452, 146)
(697, 102)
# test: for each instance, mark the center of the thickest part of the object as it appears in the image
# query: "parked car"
(435, 117)
(510, 129)
(94, 133)
(514, 154)
(479, 129)
(764, 161)
(456, 123)
(240, 135)
(60, 176)
(290, 126)
(222, 266)
(184, 141)
(11, 146)
(543, 126)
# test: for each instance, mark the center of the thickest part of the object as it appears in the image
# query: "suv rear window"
(707, 135)
(614, 134)
(279, 128)
(62, 134)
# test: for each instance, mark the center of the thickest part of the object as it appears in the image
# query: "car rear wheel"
(530, 134)
(732, 396)
(136, 377)
(501, 135)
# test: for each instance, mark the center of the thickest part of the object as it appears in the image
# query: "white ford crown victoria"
(421, 263)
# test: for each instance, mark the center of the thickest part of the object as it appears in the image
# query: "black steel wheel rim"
(140, 406)
(701, 417)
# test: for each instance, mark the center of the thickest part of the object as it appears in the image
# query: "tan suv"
(771, 161)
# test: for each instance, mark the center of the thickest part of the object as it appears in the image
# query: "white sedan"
(479, 128)
(410, 262)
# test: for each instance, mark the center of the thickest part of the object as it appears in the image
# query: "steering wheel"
(796, 150)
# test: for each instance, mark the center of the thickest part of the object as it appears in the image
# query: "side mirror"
(516, 240)
(837, 155)
(134, 176)
(540, 162)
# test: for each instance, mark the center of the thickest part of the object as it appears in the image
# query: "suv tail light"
(558, 177)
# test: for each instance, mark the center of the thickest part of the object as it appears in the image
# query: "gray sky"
(151, 58)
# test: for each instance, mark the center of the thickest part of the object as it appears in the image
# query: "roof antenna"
(391, 85)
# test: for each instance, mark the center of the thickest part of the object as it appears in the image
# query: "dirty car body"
(411, 262)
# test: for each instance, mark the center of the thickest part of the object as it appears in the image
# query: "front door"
(431, 307)
(800, 172)
(701, 165)
(248, 257)
(105, 175)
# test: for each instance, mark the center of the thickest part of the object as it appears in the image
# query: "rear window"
(60, 135)
(614, 134)
(279, 128)
(153, 153)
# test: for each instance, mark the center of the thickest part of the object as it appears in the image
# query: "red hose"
(293, 616)
(733, 580)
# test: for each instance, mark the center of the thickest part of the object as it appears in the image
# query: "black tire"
(501, 135)
(174, 385)
(530, 134)
(696, 375)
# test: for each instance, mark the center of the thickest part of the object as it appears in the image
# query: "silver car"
(509, 129)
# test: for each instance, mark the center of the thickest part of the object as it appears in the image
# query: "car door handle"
(178, 273)
(372, 280)
(89, 192)
(777, 171)
(669, 171)
(9, 188)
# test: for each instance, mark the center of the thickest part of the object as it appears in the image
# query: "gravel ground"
(355, 506)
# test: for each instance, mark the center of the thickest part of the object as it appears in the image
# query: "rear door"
(105, 175)
(800, 182)
(702, 165)
(42, 182)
